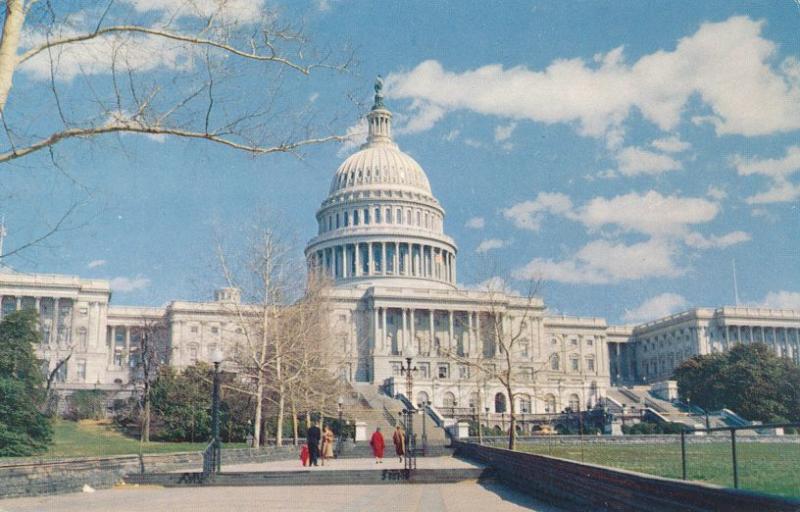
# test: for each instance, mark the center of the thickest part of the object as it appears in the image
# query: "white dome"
(380, 164)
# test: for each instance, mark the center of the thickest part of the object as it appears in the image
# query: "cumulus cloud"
(634, 161)
(604, 262)
(491, 244)
(727, 65)
(354, 136)
(96, 263)
(529, 214)
(656, 307)
(782, 300)
(777, 170)
(129, 284)
(476, 223)
(236, 11)
(671, 144)
(699, 241)
(716, 193)
(503, 132)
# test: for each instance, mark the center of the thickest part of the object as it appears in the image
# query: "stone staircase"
(637, 398)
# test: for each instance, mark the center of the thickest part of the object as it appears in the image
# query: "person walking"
(313, 438)
(377, 444)
(327, 444)
(399, 439)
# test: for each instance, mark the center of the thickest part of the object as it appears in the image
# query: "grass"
(764, 467)
(100, 439)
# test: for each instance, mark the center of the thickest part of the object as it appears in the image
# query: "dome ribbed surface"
(380, 164)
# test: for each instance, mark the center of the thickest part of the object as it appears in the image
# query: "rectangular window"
(366, 216)
(377, 215)
(346, 219)
(574, 364)
(463, 372)
(337, 221)
(444, 371)
(389, 215)
(395, 368)
(424, 371)
(81, 370)
(355, 218)
(590, 364)
(194, 329)
(523, 348)
(215, 330)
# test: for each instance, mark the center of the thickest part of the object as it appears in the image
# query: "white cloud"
(782, 300)
(603, 262)
(422, 118)
(227, 11)
(473, 143)
(452, 135)
(355, 136)
(716, 193)
(699, 241)
(727, 65)
(129, 284)
(778, 170)
(650, 213)
(634, 161)
(491, 244)
(656, 307)
(529, 214)
(494, 284)
(671, 144)
(96, 263)
(504, 132)
(476, 223)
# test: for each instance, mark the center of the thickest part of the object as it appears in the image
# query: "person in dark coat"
(399, 440)
(312, 438)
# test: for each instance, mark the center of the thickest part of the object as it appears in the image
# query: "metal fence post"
(733, 451)
(683, 453)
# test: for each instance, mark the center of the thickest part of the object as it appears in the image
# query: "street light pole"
(216, 358)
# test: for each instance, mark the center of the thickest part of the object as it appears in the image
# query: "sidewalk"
(352, 464)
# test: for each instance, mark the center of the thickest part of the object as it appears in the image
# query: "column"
(403, 342)
(453, 278)
(54, 335)
(478, 344)
(470, 334)
(431, 333)
(450, 339)
(358, 259)
(396, 258)
(412, 329)
(374, 328)
(345, 267)
(384, 266)
(383, 331)
(371, 258)
(128, 346)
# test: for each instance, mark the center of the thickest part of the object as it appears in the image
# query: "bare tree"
(151, 352)
(503, 330)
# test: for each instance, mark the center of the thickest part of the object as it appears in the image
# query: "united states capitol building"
(382, 243)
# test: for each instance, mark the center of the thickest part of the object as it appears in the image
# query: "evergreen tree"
(24, 429)
(748, 379)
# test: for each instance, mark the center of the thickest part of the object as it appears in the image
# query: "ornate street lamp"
(408, 371)
(216, 358)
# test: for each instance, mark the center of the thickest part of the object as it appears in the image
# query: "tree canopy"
(24, 429)
(748, 379)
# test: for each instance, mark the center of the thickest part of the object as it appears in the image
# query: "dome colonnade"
(380, 218)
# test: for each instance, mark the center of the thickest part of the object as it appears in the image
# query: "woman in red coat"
(377, 444)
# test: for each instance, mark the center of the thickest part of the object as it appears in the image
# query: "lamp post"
(216, 358)
(408, 371)
(339, 404)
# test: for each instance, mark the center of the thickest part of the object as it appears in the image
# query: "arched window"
(355, 217)
(377, 215)
(366, 216)
(473, 400)
(388, 215)
(524, 404)
(449, 400)
(346, 219)
(549, 403)
(499, 402)
(555, 362)
(574, 363)
(574, 403)
(422, 398)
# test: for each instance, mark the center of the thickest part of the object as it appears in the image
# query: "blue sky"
(624, 152)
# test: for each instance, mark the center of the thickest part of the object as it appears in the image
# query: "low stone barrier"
(579, 486)
(502, 441)
(41, 477)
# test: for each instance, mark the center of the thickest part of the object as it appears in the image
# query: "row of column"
(12, 303)
(385, 259)
(788, 344)
(406, 335)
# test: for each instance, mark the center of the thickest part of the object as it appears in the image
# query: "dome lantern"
(379, 119)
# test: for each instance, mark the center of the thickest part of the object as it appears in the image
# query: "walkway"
(464, 496)
(342, 464)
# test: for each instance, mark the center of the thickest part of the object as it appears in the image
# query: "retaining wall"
(40, 477)
(716, 437)
(579, 486)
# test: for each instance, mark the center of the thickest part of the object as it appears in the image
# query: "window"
(554, 362)
(82, 338)
(524, 404)
(366, 216)
(549, 403)
(449, 400)
(554, 341)
(574, 364)
(346, 219)
(574, 403)
(194, 329)
(399, 216)
(523, 348)
(215, 330)
(192, 354)
(395, 368)
(419, 218)
(573, 342)
(408, 217)
(444, 371)
(590, 341)
(81, 371)
(84, 311)
(424, 371)
(337, 221)
(377, 215)
(526, 374)
(388, 215)
(590, 364)
(355, 218)
(463, 372)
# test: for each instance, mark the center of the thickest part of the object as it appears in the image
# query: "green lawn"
(764, 467)
(90, 439)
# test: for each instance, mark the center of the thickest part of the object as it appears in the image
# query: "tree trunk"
(257, 419)
(145, 429)
(281, 401)
(15, 18)
(512, 431)
(295, 426)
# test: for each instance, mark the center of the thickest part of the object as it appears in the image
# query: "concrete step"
(311, 477)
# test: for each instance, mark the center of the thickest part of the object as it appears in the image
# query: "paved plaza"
(353, 464)
(462, 497)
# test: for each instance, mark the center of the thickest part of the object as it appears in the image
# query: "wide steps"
(311, 477)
